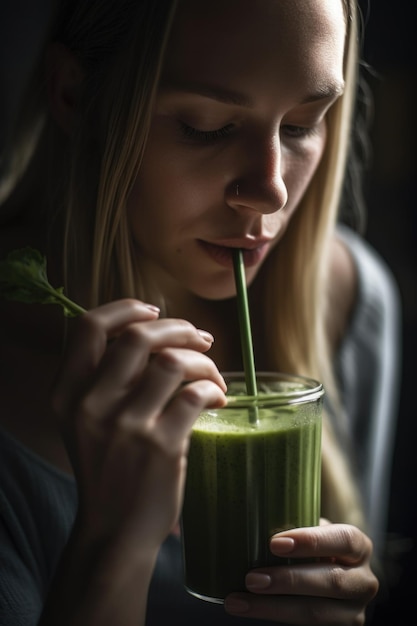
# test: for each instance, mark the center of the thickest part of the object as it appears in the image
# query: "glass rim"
(311, 389)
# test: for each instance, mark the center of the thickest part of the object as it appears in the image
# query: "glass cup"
(254, 469)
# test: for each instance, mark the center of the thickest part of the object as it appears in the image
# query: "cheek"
(147, 209)
(171, 184)
(300, 169)
(154, 193)
(167, 198)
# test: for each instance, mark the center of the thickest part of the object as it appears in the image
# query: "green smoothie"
(247, 480)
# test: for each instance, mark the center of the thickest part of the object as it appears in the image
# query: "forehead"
(299, 41)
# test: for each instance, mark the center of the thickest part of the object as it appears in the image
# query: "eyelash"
(211, 136)
(299, 132)
(205, 136)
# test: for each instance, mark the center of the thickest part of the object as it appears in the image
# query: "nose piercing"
(237, 190)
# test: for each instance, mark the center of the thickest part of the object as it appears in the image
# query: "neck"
(217, 317)
(220, 318)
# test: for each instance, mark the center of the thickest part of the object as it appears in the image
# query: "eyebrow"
(229, 96)
(325, 92)
(215, 92)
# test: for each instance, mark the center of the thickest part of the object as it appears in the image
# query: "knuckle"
(186, 330)
(368, 546)
(131, 305)
(170, 359)
(291, 579)
(184, 324)
(352, 542)
(132, 308)
(135, 310)
(136, 334)
(194, 395)
(315, 542)
(373, 587)
(337, 579)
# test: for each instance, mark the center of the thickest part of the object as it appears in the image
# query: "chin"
(221, 289)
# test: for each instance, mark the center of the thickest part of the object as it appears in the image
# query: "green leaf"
(23, 278)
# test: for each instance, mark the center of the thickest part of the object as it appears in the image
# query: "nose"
(259, 185)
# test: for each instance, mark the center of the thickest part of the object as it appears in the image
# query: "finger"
(172, 428)
(88, 341)
(301, 610)
(114, 318)
(183, 410)
(97, 326)
(162, 380)
(324, 579)
(128, 355)
(126, 375)
(343, 542)
(124, 360)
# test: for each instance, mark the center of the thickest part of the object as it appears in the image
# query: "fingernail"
(257, 580)
(153, 308)
(236, 605)
(282, 545)
(205, 335)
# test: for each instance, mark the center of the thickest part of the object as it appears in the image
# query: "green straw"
(244, 323)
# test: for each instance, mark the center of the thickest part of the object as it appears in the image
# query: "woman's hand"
(128, 392)
(334, 589)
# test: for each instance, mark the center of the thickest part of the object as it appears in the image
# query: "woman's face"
(237, 133)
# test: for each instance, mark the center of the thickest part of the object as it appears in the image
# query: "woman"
(173, 133)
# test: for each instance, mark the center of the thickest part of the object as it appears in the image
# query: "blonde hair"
(108, 145)
(122, 133)
(295, 280)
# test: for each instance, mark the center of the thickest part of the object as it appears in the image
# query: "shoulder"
(343, 287)
(31, 491)
(363, 292)
(37, 511)
(368, 369)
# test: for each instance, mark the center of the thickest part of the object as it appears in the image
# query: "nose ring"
(237, 190)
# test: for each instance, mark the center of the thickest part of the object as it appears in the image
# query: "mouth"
(253, 251)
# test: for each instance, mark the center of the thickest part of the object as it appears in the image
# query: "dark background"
(390, 49)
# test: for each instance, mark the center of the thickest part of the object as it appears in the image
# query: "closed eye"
(205, 136)
(298, 132)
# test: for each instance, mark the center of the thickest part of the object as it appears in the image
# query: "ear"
(64, 77)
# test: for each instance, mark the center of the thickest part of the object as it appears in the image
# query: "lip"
(253, 250)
